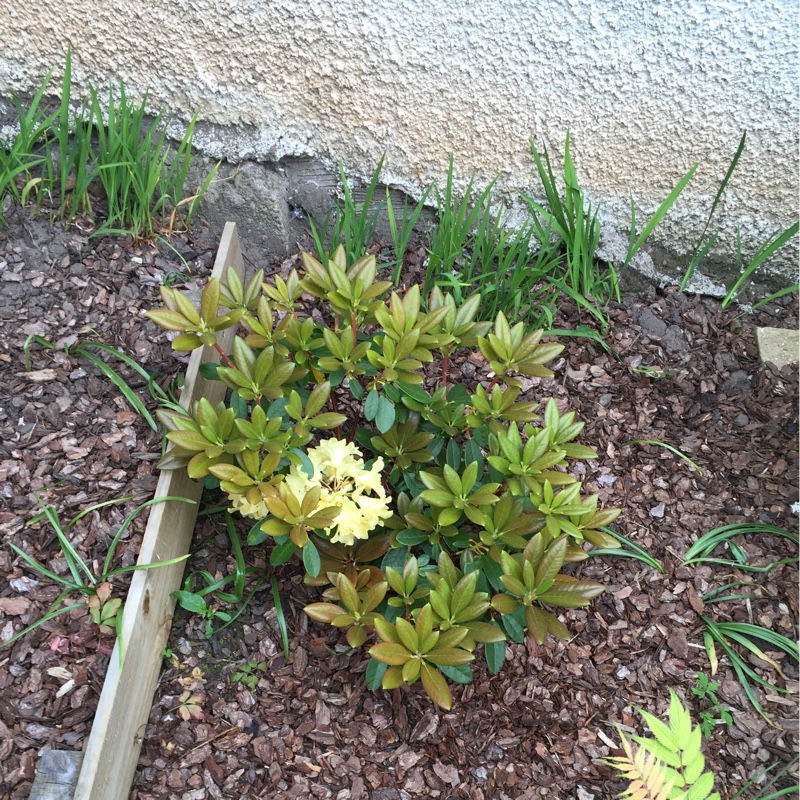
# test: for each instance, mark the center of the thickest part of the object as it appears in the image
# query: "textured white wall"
(647, 87)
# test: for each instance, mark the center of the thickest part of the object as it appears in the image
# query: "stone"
(651, 324)
(779, 346)
(738, 383)
(674, 340)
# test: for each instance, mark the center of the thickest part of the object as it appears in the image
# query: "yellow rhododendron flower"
(345, 484)
(250, 504)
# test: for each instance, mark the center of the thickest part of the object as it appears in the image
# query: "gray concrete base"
(56, 775)
(255, 197)
(780, 346)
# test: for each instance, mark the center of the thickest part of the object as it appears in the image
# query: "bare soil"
(688, 374)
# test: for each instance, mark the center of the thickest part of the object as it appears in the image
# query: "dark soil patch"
(687, 375)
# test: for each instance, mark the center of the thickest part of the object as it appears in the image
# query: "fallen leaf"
(39, 375)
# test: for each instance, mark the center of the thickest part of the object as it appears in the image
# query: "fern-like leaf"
(670, 765)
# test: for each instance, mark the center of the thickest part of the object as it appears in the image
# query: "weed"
(73, 134)
(276, 598)
(143, 183)
(703, 246)
(630, 550)
(763, 254)
(669, 764)
(454, 234)
(745, 634)
(767, 791)
(653, 373)
(133, 164)
(714, 712)
(573, 220)
(190, 705)
(635, 243)
(248, 673)
(82, 350)
(205, 600)
(700, 551)
(82, 580)
(666, 446)
(402, 236)
(353, 223)
(26, 151)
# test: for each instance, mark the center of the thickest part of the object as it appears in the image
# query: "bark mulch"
(687, 374)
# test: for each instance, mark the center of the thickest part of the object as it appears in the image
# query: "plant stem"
(492, 384)
(336, 410)
(353, 322)
(223, 356)
(445, 359)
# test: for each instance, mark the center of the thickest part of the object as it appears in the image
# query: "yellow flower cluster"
(250, 504)
(345, 484)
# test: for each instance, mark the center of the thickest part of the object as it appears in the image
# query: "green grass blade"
(764, 253)
(119, 382)
(667, 447)
(701, 250)
(45, 618)
(708, 541)
(281, 618)
(41, 569)
(26, 346)
(633, 551)
(129, 519)
(241, 567)
(653, 222)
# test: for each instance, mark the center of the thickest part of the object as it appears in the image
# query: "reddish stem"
(357, 416)
(336, 410)
(223, 356)
(492, 384)
(445, 359)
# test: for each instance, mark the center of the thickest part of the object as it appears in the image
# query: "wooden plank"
(112, 751)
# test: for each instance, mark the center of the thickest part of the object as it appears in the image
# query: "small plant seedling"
(714, 713)
(248, 673)
(196, 604)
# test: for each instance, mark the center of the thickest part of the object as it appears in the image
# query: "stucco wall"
(646, 87)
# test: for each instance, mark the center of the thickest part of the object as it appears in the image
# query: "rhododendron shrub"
(437, 519)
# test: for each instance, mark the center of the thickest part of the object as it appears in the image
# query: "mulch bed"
(310, 728)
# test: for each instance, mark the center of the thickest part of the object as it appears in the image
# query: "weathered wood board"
(112, 751)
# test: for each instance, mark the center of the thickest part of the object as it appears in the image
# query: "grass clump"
(59, 155)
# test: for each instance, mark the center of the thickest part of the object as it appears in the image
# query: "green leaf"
(357, 390)
(311, 559)
(390, 653)
(374, 674)
(282, 553)
(664, 735)
(371, 405)
(514, 625)
(385, 414)
(436, 687)
(208, 369)
(453, 455)
(495, 655)
(189, 601)
(410, 537)
(460, 673)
